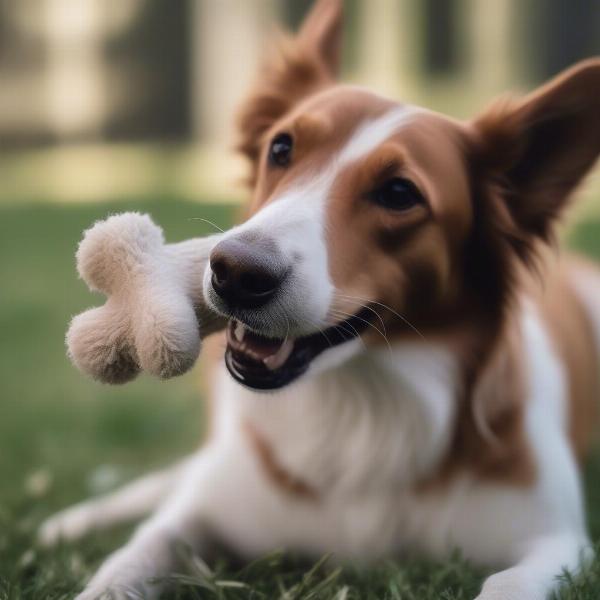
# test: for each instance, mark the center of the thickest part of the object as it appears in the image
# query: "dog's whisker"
(285, 316)
(402, 318)
(356, 334)
(362, 305)
(342, 330)
(389, 308)
(314, 324)
(322, 332)
(207, 221)
(341, 313)
(346, 315)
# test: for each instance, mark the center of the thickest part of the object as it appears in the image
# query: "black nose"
(243, 274)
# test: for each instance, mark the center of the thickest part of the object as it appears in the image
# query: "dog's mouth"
(264, 363)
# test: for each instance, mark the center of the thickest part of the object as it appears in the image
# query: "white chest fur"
(382, 419)
(363, 433)
(359, 434)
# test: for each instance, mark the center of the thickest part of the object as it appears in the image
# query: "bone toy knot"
(150, 320)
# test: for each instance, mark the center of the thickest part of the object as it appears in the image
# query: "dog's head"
(374, 218)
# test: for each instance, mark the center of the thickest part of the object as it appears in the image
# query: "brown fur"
(453, 267)
(489, 439)
(278, 475)
(573, 335)
(296, 67)
(319, 126)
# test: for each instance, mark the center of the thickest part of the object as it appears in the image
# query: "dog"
(409, 366)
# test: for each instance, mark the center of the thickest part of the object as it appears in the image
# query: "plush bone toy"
(154, 316)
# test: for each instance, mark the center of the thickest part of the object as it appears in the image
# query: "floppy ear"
(297, 66)
(535, 151)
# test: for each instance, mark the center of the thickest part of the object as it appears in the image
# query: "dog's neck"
(383, 417)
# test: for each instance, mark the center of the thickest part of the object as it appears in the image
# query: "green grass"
(63, 437)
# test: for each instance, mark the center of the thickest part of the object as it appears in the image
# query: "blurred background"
(105, 99)
(108, 105)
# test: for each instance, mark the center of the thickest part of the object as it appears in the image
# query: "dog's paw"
(128, 574)
(119, 590)
(512, 584)
(112, 593)
(68, 525)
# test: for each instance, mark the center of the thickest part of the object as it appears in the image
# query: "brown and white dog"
(427, 390)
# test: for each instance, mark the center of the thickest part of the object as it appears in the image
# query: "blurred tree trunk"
(565, 31)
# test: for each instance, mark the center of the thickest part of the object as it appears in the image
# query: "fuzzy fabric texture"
(155, 315)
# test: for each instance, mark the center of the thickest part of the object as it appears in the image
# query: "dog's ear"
(321, 34)
(295, 67)
(536, 150)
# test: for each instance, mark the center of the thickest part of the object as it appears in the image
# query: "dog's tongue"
(271, 352)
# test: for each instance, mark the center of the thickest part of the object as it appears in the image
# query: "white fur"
(370, 135)
(133, 501)
(295, 221)
(361, 434)
(362, 429)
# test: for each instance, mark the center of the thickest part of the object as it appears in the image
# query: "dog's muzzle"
(248, 279)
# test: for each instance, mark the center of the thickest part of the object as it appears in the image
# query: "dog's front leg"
(536, 576)
(133, 501)
(139, 568)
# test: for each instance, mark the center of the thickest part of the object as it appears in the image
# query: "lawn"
(63, 437)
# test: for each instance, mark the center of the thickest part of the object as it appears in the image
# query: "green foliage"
(63, 437)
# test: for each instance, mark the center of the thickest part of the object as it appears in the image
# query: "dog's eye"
(280, 152)
(397, 194)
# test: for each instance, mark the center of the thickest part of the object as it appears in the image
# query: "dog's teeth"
(276, 360)
(239, 331)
